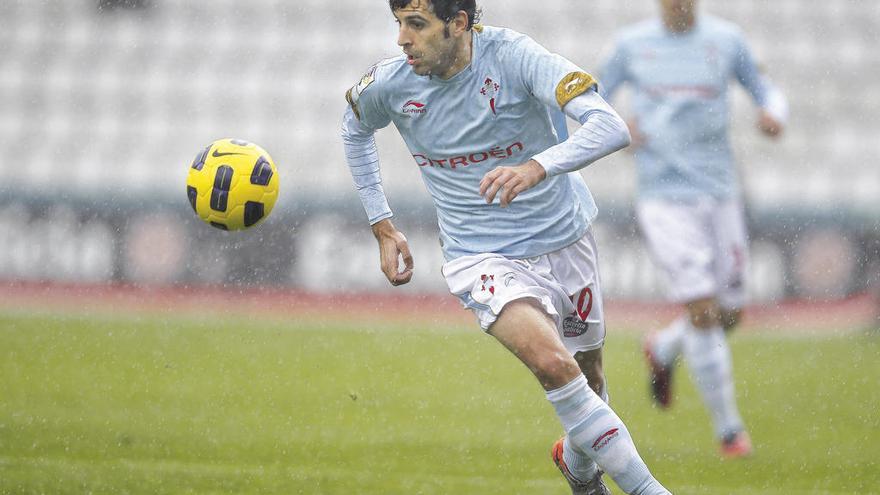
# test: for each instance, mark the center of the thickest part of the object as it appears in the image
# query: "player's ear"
(459, 23)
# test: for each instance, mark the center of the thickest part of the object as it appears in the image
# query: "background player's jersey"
(497, 111)
(680, 101)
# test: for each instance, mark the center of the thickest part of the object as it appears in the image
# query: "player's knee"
(555, 369)
(730, 318)
(590, 364)
(704, 313)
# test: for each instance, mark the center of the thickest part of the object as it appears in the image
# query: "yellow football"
(232, 184)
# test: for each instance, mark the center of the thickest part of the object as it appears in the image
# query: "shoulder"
(380, 79)
(640, 32)
(494, 34)
(383, 74)
(721, 28)
(503, 41)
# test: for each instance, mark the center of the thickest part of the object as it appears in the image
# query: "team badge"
(572, 85)
(354, 94)
(488, 283)
(484, 289)
(490, 90)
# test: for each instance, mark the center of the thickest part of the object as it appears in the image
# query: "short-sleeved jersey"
(497, 111)
(680, 99)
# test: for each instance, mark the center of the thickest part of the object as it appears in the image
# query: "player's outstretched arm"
(773, 113)
(393, 247)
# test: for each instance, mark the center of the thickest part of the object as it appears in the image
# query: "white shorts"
(701, 245)
(564, 282)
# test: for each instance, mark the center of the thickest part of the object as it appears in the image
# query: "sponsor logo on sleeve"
(354, 94)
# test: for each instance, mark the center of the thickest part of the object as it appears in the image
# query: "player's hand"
(511, 181)
(393, 247)
(768, 124)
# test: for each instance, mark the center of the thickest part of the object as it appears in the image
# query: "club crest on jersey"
(490, 90)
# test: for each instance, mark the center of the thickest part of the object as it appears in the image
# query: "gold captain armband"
(573, 85)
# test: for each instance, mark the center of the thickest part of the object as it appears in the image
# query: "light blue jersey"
(680, 101)
(495, 112)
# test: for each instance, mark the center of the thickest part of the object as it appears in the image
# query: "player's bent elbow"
(622, 134)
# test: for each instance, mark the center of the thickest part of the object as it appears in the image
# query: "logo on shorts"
(575, 324)
(572, 326)
(488, 283)
(605, 439)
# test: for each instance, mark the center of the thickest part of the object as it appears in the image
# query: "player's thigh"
(530, 334)
(681, 243)
(528, 331)
(731, 254)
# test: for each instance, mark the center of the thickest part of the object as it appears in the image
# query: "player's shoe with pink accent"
(661, 376)
(736, 445)
(593, 487)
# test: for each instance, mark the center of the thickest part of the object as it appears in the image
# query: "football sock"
(594, 429)
(667, 343)
(708, 356)
(579, 464)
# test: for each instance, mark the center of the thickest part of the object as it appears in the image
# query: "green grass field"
(138, 405)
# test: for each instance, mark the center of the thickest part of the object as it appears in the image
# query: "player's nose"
(403, 38)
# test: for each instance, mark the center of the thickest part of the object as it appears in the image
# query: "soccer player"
(474, 105)
(689, 208)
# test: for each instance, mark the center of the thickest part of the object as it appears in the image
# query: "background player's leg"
(662, 349)
(531, 335)
(708, 356)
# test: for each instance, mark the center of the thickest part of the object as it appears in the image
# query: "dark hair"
(445, 10)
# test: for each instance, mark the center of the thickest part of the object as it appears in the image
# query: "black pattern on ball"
(220, 192)
(253, 212)
(199, 162)
(192, 194)
(262, 172)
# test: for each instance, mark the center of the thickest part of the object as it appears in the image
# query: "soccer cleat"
(661, 376)
(736, 445)
(593, 487)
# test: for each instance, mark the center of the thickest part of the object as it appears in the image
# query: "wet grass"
(136, 405)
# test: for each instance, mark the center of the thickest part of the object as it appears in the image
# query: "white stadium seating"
(122, 100)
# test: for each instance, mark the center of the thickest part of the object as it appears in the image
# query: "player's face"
(431, 45)
(678, 7)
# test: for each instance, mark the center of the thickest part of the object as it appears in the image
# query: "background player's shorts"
(701, 245)
(565, 283)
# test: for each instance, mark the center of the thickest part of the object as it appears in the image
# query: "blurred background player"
(689, 207)
(471, 103)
